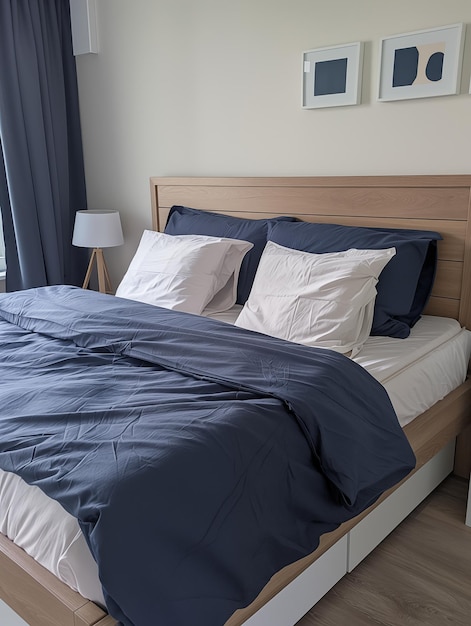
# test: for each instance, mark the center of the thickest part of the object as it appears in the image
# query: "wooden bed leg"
(463, 454)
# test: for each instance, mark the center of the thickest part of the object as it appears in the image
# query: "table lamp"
(97, 229)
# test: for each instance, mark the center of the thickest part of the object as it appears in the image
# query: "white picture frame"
(421, 64)
(332, 76)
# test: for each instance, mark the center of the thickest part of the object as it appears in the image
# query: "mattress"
(421, 370)
(417, 372)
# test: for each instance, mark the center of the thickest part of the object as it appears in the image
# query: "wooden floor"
(419, 575)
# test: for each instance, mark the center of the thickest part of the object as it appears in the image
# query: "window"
(2, 248)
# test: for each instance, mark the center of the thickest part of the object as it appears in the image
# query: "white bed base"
(297, 598)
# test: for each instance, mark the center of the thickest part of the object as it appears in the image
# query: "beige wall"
(213, 87)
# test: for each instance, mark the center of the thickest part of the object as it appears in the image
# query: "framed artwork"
(421, 64)
(332, 76)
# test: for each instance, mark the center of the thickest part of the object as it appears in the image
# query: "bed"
(438, 203)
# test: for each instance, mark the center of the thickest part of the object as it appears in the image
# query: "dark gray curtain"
(42, 181)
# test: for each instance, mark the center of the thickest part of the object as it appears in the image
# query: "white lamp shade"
(97, 229)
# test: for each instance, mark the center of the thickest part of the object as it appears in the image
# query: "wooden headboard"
(439, 203)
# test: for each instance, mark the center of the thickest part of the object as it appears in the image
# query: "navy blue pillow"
(405, 283)
(187, 221)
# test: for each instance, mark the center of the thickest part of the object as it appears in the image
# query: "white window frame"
(2, 249)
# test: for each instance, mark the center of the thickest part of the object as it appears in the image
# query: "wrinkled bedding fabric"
(199, 458)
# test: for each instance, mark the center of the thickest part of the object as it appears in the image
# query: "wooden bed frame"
(440, 203)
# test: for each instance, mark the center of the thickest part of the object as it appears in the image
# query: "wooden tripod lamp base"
(104, 282)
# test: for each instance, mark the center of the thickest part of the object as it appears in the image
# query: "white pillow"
(323, 300)
(184, 272)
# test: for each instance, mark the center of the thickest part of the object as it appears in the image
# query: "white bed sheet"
(417, 373)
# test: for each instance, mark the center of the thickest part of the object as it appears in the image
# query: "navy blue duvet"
(198, 457)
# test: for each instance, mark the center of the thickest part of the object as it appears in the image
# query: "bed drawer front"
(364, 537)
(295, 600)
